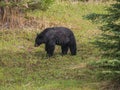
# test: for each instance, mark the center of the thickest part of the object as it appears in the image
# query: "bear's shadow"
(43, 55)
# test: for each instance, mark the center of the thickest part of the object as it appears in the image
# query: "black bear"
(57, 36)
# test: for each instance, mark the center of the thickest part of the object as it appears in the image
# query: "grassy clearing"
(24, 67)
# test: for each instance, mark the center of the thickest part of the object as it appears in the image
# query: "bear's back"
(57, 31)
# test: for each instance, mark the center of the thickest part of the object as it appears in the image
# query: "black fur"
(57, 36)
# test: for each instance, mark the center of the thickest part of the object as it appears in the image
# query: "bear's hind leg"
(64, 49)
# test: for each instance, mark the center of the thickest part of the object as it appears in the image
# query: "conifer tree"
(109, 43)
(110, 40)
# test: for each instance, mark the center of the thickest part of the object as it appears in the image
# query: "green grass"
(24, 67)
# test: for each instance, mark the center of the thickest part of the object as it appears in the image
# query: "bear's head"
(39, 40)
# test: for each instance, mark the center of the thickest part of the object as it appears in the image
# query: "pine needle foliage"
(109, 42)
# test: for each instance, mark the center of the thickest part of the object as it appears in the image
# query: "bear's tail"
(72, 45)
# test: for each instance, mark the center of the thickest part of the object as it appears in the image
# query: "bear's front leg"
(50, 49)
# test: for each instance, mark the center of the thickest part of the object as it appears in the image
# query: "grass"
(24, 67)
